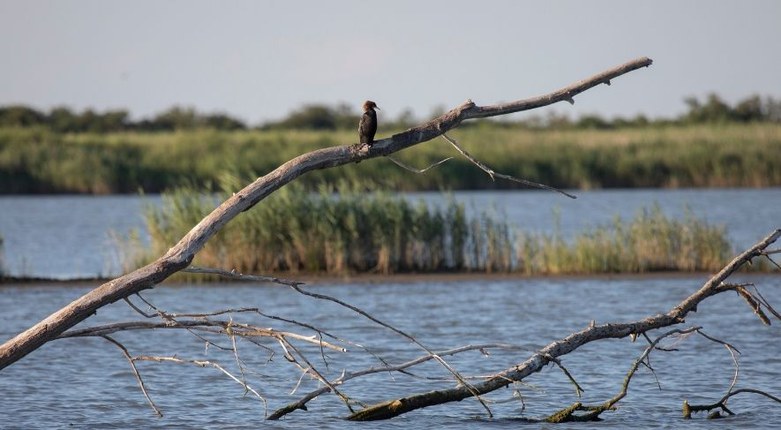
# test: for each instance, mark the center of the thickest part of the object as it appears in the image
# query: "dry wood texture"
(182, 254)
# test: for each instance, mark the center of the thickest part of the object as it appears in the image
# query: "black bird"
(368, 125)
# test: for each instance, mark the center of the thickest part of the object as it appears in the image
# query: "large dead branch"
(181, 255)
(551, 352)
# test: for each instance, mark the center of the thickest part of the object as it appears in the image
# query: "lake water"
(69, 237)
(87, 383)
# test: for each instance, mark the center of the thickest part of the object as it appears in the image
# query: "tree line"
(710, 109)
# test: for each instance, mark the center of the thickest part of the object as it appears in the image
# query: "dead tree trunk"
(181, 255)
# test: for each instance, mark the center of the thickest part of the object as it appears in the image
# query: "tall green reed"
(353, 227)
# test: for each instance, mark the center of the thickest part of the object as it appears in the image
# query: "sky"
(260, 60)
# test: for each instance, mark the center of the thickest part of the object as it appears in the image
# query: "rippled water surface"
(87, 383)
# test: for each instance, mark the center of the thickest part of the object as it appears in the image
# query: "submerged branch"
(722, 403)
(540, 359)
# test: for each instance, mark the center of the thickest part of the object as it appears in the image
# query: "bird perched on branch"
(368, 125)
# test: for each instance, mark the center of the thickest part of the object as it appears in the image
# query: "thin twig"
(136, 373)
(313, 371)
(296, 285)
(494, 174)
(202, 363)
(568, 414)
(732, 350)
(414, 170)
(209, 326)
(240, 276)
(578, 389)
(137, 309)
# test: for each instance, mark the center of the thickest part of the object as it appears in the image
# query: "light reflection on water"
(88, 384)
(69, 236)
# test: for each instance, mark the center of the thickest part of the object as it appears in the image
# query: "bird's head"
(368, 105)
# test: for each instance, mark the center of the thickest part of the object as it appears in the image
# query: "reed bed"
(346, 229)
(734, 155)
(650, 242)
(338, 229)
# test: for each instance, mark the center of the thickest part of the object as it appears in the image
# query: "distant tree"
(21, 116)
(175, 118)
(345, 116)
(406, 119)
(224, 122)
(115, 120)
(772, 110)
(749, 110)
(593, 121)
(309, 117)
(557, 120)
(63, 120)
(712, 110)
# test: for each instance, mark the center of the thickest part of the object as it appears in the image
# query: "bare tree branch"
(181, 255)
(297, 287)
(540, 359)
(211, 326)
(346, 376)
(593, 412)
(201, 363)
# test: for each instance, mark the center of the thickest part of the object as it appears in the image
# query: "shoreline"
(372, 278)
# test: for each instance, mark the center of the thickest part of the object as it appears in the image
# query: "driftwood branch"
(541, 358)
(722, 403)
(181, 254)
(297, 287)
(346, 376)
(593, 412)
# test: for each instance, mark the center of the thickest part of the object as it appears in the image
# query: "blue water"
(87, 383)
(78, 236)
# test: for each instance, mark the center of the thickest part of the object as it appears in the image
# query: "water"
(87, 383)
(75, 236)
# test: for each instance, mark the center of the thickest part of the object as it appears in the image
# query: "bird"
(368, 125)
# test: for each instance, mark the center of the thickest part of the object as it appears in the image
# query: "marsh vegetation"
(34, 160)
(346, 229)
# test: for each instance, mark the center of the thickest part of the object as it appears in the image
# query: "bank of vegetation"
(343, 230)
(729, 155)
(713, 144)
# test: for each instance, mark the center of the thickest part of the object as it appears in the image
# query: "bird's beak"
(378, 108)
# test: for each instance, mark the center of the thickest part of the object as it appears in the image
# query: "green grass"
(344, 229)
(734, 155)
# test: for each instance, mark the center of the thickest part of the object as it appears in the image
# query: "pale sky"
(258, 60)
